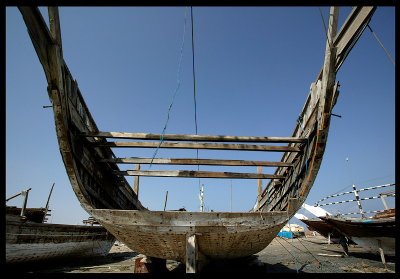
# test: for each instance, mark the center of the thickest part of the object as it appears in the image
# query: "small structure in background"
(291, 231)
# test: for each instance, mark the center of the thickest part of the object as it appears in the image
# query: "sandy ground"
(275, 258)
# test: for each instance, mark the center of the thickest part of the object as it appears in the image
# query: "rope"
(308, 250)
(296, 191)
(294, 251)
(381, 45)
(176, 90)
(284, 247)
(194, 79)
(326, 32)
(315, 152)
(194, 89)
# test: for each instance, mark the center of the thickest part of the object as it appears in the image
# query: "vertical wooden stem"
(166, 197)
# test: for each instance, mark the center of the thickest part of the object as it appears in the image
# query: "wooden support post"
(166, 197)
(384, 202)
(47, 203)
(381, 253)
(259, 171)
(191, 253)
(25, 194)
(136, 181)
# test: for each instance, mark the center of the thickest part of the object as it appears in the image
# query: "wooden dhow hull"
(103, 191)
(325, 229)
(28, 242)
(219, 235)
(371, 234)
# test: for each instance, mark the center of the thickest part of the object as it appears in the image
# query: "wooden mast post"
(136, 181)
(259, 171)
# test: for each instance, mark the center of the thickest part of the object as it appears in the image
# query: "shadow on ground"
(63, 264)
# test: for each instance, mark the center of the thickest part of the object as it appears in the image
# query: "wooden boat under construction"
(189, 237)
(28, 239)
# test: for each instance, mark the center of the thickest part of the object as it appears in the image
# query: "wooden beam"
(198, 174)
(350, 32)
(189, 161)
(208, 138)
(40, 36)
(192, 145)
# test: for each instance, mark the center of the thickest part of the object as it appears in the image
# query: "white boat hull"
(372, 244)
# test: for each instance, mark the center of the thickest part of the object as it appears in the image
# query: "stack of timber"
(189, 237)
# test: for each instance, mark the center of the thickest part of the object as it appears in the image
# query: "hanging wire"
(194, 90)
(176, 89)
(326, 31)
(381, 45)
(294, 252)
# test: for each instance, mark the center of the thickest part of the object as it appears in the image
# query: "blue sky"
(254, 67)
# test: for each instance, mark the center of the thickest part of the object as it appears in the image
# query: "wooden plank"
(198, 174)
(39, 34)
(192, 145)
(208, 138)
(190, 161)
(350, 32)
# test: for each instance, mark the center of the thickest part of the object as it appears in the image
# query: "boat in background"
(29, 239)
(375, 234)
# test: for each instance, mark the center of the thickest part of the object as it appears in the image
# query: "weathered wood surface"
(199, 174)
(215, 146)
(191, 161)
(259, 190)
(93, 184)
(30, 242)
(323, 105)
(220, 235)
(178, 137)
(192, 249)
(136, 181)
(351, 30)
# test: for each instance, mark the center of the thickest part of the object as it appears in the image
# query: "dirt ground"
(275, 258)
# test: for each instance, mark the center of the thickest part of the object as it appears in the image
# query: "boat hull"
(371, 234)
(220, 235)
(32, 242)
(372, 244)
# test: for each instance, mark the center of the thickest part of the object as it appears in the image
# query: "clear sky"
(254, 67)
